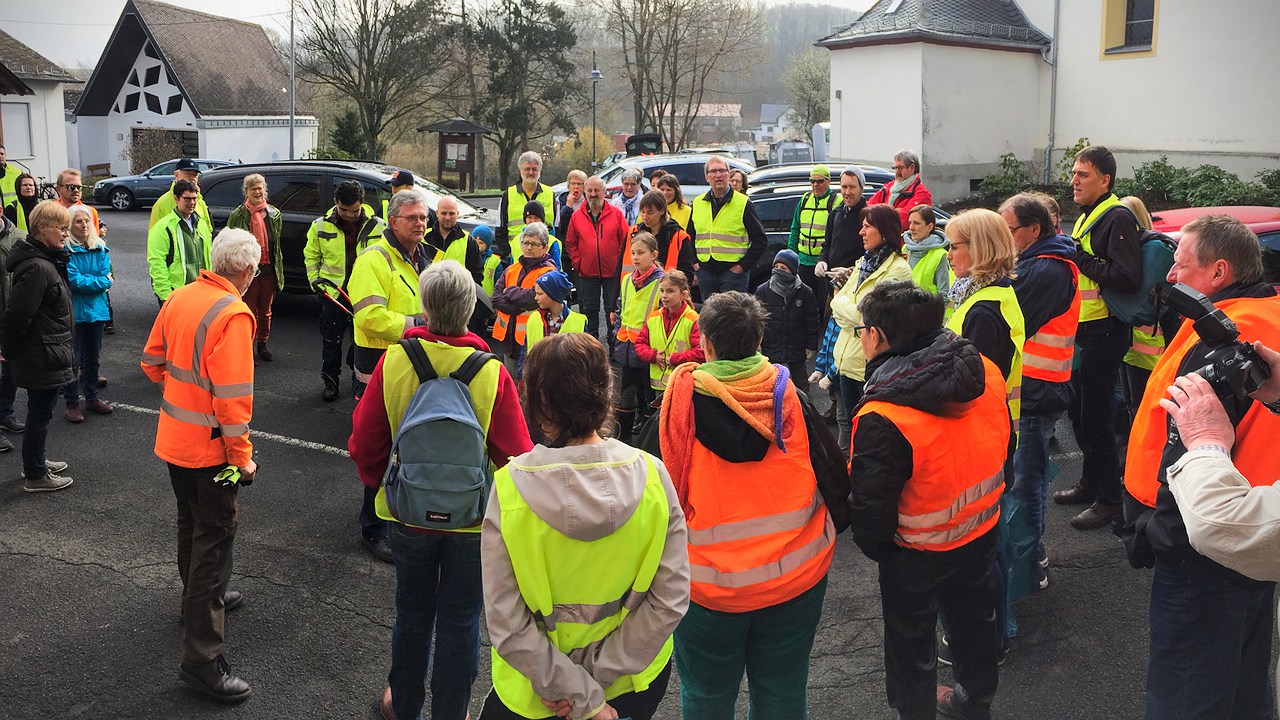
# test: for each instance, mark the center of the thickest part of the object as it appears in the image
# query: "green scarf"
(730, 370)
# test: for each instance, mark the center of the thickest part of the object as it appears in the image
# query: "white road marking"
(257, 434)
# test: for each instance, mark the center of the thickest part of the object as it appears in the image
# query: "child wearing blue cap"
(553, 314)
(483, 236)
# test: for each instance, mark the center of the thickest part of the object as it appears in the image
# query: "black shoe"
(231, 600)
(215, 680)
(1095, 516)
(264, 354)
(949, 705)
(12, 424)
(5, 444)
(109, 328)
(330, 390)
(1074, 495)
(380, 548)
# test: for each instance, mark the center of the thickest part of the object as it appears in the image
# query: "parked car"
(1263, 221)
(303, 190)
(798, 174)
(131, 191)
(689, 169)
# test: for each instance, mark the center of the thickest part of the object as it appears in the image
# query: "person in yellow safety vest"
(185, 170)
(8, 180)
(1107, 255)
(448, 241)
(178, 245)
(928, 454)
(513, 294)
(728, 238)
(926, 248)
(809, 229)
(490, 260)
(200, 352)
(384, 295)
(639, 298)
(1148, 341)
(736, 441)
(19, 209)
(333, 242)
(677, 207)
(586, 572)
(511, 207)
(553, 316)
(535, 211)
(670, 335)
(1046, 283)
(439, 593)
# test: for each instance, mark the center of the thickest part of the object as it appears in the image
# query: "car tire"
(120, 199)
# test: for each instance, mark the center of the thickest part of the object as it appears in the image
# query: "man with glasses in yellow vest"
(809, 229)
(1108, 256)
(511, 206)
(727, 235)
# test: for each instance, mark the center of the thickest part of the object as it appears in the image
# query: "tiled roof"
(991, 23)
(28, 64)
(771, 113)
(720, 110)
(456, 126)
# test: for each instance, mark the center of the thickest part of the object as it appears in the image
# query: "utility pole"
(595, 77)
(293, 84)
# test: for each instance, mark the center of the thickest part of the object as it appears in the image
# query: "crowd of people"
(606, 443)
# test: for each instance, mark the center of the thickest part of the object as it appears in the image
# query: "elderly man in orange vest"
(928, 451)
(200, 352)
(1211, 627)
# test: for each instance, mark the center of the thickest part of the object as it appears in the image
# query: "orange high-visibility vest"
(1047, 354)
(759, 533)
(673, 247)
(957, 475)
(201, 348)
(1257, 450)
(502, 320)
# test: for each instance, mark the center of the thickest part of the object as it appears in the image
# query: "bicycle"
(46, 190)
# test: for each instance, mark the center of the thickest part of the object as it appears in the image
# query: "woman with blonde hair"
(265, 222)
(89, 277)
(677, 207)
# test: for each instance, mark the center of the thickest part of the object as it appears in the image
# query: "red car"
(1263, 221)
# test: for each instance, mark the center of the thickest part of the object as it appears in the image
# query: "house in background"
(775, 123)
(717, 123)
(216, 84)
(966, 81)
(31, 111)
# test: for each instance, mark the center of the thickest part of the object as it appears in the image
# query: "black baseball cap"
(402, 178)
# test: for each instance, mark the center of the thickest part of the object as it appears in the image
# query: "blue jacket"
(87, 272)
(1044, 292)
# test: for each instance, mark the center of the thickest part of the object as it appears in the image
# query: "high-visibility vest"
(680, 214)
(678, 341)
(926, 267)
(167, 253)
(672, 255)
(957, 467)
(723, 237)
(580, 591)
(325, 253)
(400, 382)
(764, 536)
(516, 200)
(1011, 311)
(490, 278)
(384, 294)
(18, 216)
(1092, 306)
(206, 363)
(636, 304)
(536, 330)
(1047, 355)
(457, 250)
(1256, 453)
(9, 186)
(1145, 347)
(813, 221)
(502, 320)
(167, 203)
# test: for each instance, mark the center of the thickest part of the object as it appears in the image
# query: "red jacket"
(646, 353)
(370, 443)
(915, 195)
(597, 247)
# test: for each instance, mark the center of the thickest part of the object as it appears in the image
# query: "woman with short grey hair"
(628, 201)
(448, 297)
(265, 223)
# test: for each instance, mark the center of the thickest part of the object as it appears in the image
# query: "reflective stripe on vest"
(326, 248)
(579, 592)
(1092, 306)
(953, 495)
(723, 237)
(1145, 347)
(636, 304)
(677, 342)
(383, 302)
(1256, 453)
(502, 320)
(535, 330)
(1046, 356)
(1011, 311)
(813, 222)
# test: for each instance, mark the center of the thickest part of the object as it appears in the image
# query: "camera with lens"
(1233, 368)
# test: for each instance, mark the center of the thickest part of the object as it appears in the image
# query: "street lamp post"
(594, 77)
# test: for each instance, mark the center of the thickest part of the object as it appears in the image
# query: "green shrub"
(1125, 187)
(1010, 180)
(1160, 180)
(328, 153)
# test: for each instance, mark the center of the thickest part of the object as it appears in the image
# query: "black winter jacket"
(931, 373)
(35, 330)
(843, 246)
(793, 324)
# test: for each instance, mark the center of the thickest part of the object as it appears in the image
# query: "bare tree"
(675, 51)
(808, 83)
(391, 58)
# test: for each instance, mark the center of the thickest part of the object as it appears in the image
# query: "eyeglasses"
(531, 243)
(717, 171)
(189, 198)
(412, 218)
(1013, 230)
(858, 329)
(257, 271)
(948, 245)
(815, 181)
(73, 188)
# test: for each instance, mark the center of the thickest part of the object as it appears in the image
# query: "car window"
(1270, 257)
(689, 173)
(165, 168)
(374, 192)
(296, 193)
(224, 194)
(207, 165)
(776, 212)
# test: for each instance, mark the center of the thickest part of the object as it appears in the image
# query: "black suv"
(303, 190)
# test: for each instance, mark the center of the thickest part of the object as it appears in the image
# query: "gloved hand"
(820, 269)
(825, 382)
(816, 376)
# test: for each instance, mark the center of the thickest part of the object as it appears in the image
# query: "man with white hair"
(200, 352)
(511, 206)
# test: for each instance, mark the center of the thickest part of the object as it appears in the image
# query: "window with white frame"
(15, 118)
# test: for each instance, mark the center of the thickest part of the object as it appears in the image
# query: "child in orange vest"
(638, 298)
(670, 334)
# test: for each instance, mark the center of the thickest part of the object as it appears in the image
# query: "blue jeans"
(850, 396)
(40, 404)
(8, 390)
(372, 527)
(723, 281)
(591, 293)
(1210, 651)
(88, 353)
(438, 593)
(1033, 470)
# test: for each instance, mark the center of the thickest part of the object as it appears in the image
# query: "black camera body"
(1233, 368)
